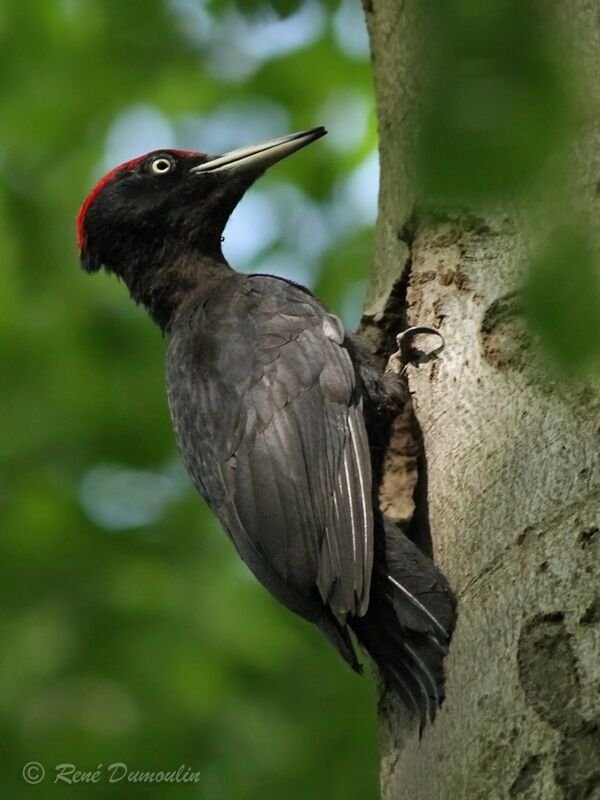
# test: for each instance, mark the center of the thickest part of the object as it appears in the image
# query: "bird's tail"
(409, 622)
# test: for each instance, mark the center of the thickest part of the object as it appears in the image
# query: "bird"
(280, 416)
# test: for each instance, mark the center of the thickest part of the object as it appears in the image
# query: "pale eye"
(162, 165)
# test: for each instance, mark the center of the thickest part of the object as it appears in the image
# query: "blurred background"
(130, 631)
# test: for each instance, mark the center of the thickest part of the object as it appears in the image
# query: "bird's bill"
(260, 156)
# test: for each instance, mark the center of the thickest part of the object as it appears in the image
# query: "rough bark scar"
(591, 616)
(548, 672)
(526, 777)
(548, 669)
(400, 470)
(403, 492)
(396, 494)
(577, 763)
(504, 337)
(587, 537)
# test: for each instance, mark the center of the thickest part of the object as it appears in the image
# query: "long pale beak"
(260, 156)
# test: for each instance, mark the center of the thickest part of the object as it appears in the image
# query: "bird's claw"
(407, 353)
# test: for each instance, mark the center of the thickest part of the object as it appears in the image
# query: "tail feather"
(339, 636)
(421, 709)
(418, 661)
(420, 613)
(409, 623)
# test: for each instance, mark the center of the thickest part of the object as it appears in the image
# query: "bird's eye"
(162, 165)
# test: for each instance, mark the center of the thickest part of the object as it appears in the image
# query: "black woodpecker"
(277, 412)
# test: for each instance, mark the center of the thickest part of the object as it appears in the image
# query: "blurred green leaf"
(497, 103)
(282, 7)
(151, 645)
(562, 298)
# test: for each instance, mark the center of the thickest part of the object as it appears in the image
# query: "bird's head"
(169, 202)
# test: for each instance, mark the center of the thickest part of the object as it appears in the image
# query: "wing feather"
(271, 428)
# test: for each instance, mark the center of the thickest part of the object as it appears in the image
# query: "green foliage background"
(130, 635)
(130, 632)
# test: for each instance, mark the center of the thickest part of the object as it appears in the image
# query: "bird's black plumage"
(275, 412)
(268, 415)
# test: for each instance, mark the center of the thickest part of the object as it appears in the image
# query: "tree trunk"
(509, 473)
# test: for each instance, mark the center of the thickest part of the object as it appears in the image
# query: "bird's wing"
(279, 445)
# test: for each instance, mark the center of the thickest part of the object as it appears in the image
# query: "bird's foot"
(408, 353)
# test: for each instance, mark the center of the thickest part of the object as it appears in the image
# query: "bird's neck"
(166, 287)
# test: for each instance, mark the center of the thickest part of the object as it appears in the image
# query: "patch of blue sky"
(137, 130)
(346, 115)
(118, 498)
(235, 45)
(232, 125)
(350, 30)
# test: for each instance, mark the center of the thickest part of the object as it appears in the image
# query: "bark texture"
(509, 476)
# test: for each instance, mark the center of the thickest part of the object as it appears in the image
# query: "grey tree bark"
(509, 478)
